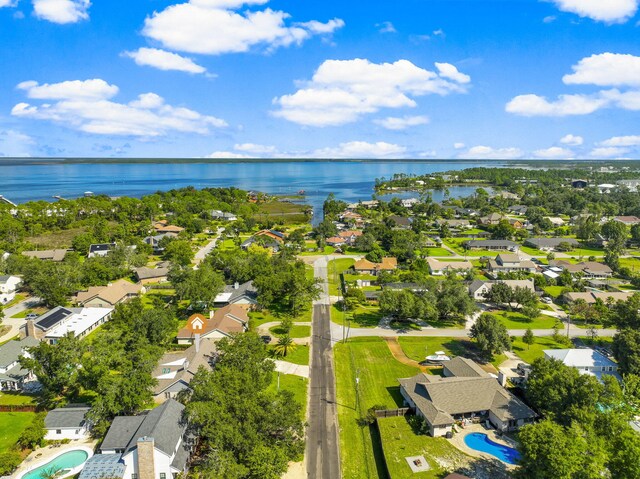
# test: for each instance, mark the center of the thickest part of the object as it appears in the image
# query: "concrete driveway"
(15, 323)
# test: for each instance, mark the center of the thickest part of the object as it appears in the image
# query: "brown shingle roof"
(230, 319)
(112, 294)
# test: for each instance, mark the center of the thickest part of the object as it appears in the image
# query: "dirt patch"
(399, 355)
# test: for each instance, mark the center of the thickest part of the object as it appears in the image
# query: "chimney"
(30, 330)
(211, 314)
(146, 464)
(502, 379)
(197, 342)
(236, 285)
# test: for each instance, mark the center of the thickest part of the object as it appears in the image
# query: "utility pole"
(357, 391)
(568, 325)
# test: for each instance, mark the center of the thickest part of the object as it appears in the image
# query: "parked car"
(547, 299)
(31, 316)
(266, 339)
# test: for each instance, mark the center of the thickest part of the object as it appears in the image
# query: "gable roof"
(550, 242)
(580, 357)
(229, 319)
(66, 417)
(387, 263)
(12, 350)
(112, 293)
(150, 273)
(183, 365)
(96, 248)
(51, 254)
(463, 367)
(438, 265)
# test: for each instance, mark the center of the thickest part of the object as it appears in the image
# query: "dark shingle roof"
(66, 417)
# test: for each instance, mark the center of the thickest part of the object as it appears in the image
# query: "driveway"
(206, 249)
(15, 323)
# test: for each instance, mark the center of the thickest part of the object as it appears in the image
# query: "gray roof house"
(586, 361)
(67, 423)
(12, 376)
(466, 391)
(155, 441)
(237, 293)
(549, 244)
(100, 466)
(492, 245)
(509, 263)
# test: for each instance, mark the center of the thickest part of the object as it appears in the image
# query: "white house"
(12, 376)
(67, 423)
(60, 321)
(8, 287)
(440, 268)
(586, 361)
(478, 288)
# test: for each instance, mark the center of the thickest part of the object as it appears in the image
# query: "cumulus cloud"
(393, 123)
(8, 3)
(555, 153)
(606, 69)
(228, 155)
(621, 141)
(572, 140)
(214, 27)
(88, 106)
(164, 60)
(62, 11)
(608, 152)
(608, 11)
(256, 149)
(488, 153)
(386, 27)
(565, 105)
(14, 143)
(342, 91)
(360, 149)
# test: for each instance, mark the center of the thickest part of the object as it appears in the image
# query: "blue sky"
(276, 78)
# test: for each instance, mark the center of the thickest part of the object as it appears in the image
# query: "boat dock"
(7, 200)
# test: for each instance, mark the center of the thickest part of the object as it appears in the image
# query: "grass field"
(12, 399)
(417, 348)
(336, 267)
(530, 354)
(295, 384)
(361, 317)
(554, 291)
(300, 355)
(295, 332)
(436, 252)
(17, 299)
(400, 441)
(515, 320)
(56, 240)
(12, 424)
(370, 360)
(632, 263)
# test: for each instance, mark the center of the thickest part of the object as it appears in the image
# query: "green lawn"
(315, 252)
(632, 263)
(12, 424)
(295, 332)
(166, 295)
(436, 252)
(554, 291)
(361, 317)
(17, 299)
(417, 348)
(371, 360)
(13, 399)
(300, 355)
(258, 318)
(296, 384)
(400, 441)
(334, 269)
(515, 320)
(530, 354)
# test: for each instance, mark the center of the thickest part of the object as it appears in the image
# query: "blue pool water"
(68, 460)
(481, 442)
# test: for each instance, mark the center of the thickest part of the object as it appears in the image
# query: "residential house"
(60, 321)
(400, 221)
(440, 268)
(586, 361)
(591, 297)
(151, 275)
(220, 324)
(627, 220)
(55, 255)
(350, 236)
(267, 238)
(466, 212)
(175, 370)
(163, 226)
(631, 185)
(364, 266)
(12, 376)
(410, 202)
(152, 445)
(606, 187)
(102, 249)
(8, 286)
(478, 289)
(465, 391)
(154, 241)
(224, 216)
(67, 423)
(510, 263)
(518, 210)
(555, 221)
(244, 295)
(454, 224)
(550, 244)
(415, 287)
(336, 241)
(579, 183)
(588, 269)
(507, 195)
(110, 295)
(492, 219)
(492, 245)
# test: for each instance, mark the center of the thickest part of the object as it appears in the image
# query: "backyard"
(12, 424)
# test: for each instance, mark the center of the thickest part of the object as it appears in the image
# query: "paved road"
(202, 253)
(15, 323)
(322, 450)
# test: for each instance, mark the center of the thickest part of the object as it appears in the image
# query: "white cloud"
(256, 149)
(555, 152)
(621, 141)
(228, 154)
(572, 140)
(386, 27)
(606, 69)
(549, 19)
(87, 106)
(8, 3)
(14, 143)
(438, 33)
(608, 152)
(393, 123)
(164, 60)
(629, 100)
(565, 105)
(213, 27)
(341, 91)
(608, 11)
(458, 146)
(62, 11)
(360, 149)
(488, 153)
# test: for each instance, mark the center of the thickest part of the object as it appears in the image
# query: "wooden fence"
(403, 411)
(16, 408)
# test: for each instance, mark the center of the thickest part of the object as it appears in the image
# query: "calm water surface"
(25, 180)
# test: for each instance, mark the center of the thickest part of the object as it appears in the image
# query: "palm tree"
(284, 346)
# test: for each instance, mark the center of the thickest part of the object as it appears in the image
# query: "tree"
(285, 325)
(531, 312)
(325, 229)
(626, 349)
(616, 234)
(198, 286)
(491, 335)
(284, 346)
(405, 305)
(528, 338)
(499, 293)
(503, 230)
(9, 461)
(453, 301)
(524, 297)
(33, 435)
(179, 252)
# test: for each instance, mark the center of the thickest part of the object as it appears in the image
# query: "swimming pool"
(481, 442)
(69, 461)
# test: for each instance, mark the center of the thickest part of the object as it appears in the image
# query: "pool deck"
(43, 455)
(458, 442)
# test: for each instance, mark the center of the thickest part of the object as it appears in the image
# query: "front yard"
(535, 351)
(361, 317)
(300, 355)
(516, 320)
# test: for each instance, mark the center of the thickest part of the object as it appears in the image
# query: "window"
(134, 476)
(163, 475)
(166, 370)
(58, 431)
